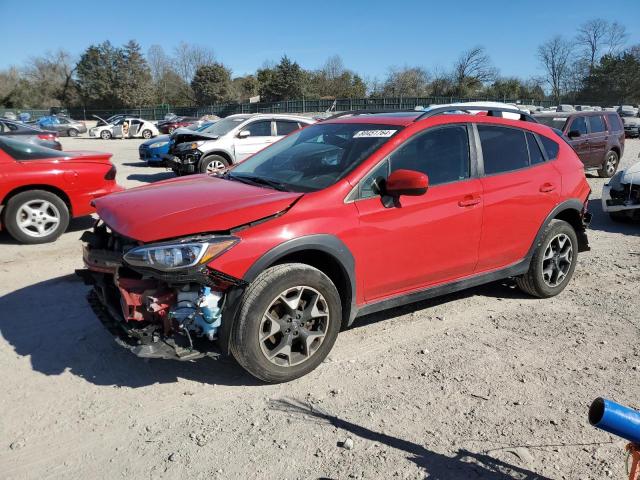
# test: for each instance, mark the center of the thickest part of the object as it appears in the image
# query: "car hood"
(159, 138)
(631, 174)
(188, 206)
(186, 135)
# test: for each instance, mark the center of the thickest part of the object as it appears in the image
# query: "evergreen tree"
(211, 84)
(134, 86)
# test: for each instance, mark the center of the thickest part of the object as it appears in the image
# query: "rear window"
(615, 123)
(23, 151)
(503, 149)
(551, 148)
(553, 122)
(596, 122)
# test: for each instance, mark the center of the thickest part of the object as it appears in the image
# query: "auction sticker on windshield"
(374, 133)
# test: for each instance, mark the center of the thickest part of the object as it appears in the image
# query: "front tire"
(553, 262)
(288, 321)
(105, 135)
(36, 216)
(73, 132)
(213, 164)
(610, 165)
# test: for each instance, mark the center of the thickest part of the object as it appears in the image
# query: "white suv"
(228, 141)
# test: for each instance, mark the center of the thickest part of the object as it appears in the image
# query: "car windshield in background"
(224, 126)
(315, 157)
(553, 122)
(23, 151)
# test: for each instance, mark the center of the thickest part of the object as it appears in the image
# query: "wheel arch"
(325, 252)
(220, 153)
(48, 188)
(571, 212)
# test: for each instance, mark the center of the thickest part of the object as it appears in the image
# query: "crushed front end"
(158, 300)
(621, 196)
(183, 158)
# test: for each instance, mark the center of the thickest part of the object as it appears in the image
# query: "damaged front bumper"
(171, 315)
(620, 197)
(182, 164)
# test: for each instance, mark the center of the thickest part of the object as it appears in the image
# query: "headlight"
(190, 145)
(158, 144)
(173, 256)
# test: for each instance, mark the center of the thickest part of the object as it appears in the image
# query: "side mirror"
(574, 134)
(406, 182)
(244, 134)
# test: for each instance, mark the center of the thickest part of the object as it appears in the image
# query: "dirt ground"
(488, 383)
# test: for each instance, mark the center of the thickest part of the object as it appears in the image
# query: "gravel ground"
(488, 383)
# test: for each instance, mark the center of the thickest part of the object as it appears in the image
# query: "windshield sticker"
(559, 119)
(374, 133)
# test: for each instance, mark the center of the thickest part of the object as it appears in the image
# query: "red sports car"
(41, 188)
(179, 122)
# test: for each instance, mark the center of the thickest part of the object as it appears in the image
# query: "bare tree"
(52, 77)
(473, 69)
(187, 59)
(592, 37)
(616, 38)
(406, 82)
(554, 56)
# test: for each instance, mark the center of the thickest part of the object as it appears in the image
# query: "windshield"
(315, 157)
(200, 128)
(224, 126)
(553, 122)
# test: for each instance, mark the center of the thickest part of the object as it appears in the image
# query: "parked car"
(41, 188)
(137, 128)
(152, 151)
(565, 108)
(29, 134)
(597, 137)
(112, 119)
(350, 216)
(64, 126)
(621, 196)
(168, 126)
(228, 141)
(631, 122)
(9, 116)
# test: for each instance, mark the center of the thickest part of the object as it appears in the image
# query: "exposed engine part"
(197, 310)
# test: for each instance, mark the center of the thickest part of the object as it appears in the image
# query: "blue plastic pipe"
(616, 419)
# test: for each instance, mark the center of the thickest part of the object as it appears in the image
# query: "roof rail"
(364, 112)
(491, 112)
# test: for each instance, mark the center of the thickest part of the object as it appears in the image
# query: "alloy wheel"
(38, 218)
(294, 326)
(215, 167)
(611, 163)
(557, 260)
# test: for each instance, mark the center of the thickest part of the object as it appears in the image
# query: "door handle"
(469, 201)
(547, 187)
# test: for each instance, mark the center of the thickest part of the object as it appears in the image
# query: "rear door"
(285, 127)
(598, 139)
(519, 188)
(580, 143)
(261, 134)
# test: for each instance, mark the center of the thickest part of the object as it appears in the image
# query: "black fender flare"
(325, 243)
(571, 204)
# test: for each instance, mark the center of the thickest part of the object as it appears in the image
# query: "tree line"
(596, 65)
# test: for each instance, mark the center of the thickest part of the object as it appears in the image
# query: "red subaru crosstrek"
(350, 216)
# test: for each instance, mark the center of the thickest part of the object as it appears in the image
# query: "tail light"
(47, 136)
(111, 174)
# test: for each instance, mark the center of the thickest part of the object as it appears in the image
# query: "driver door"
(423, 240)
(261, 134)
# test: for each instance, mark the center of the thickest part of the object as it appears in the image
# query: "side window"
(441, 153)
(285, 127)
(614, 121)
(579, 124)
(369, 185)
(535, 155)
(551, 148)
(596, 122)
(260, 128)
(503, 149)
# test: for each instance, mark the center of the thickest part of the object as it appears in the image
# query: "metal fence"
(286, 106)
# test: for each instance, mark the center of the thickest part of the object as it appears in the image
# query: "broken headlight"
(174, 256)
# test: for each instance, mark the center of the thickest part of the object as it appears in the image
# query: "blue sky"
(370, 35)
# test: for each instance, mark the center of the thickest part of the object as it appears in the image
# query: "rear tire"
(213, 164)
(553, 262)
(36, 216)
(288, 321)
(73, 132)
(610, 165)
(147, 134)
